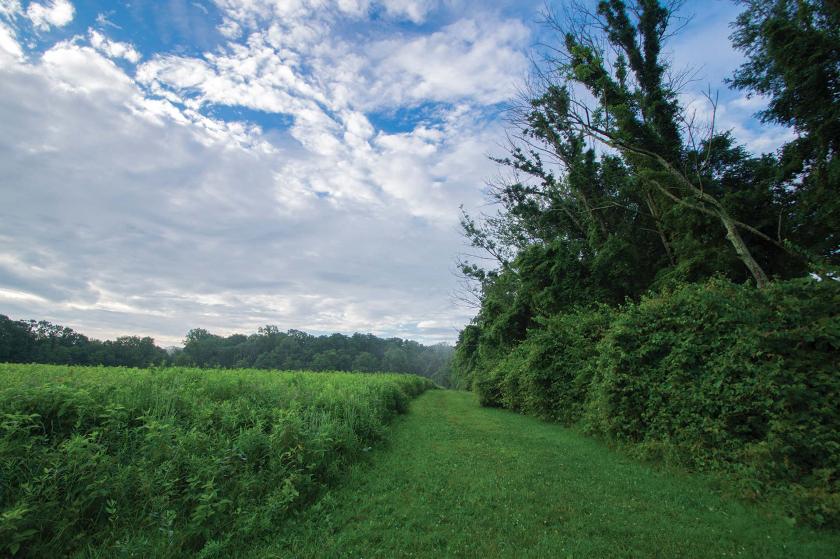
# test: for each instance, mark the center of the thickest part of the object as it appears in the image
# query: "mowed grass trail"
(457, 480)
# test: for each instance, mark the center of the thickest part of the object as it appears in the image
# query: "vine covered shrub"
(722, 376)
(549, 375)
(172, 462)
(714, 376)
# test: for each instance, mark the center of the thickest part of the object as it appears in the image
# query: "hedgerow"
(712, 377)
(172, 462)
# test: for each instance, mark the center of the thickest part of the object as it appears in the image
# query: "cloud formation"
(305, 170)
(136, 210)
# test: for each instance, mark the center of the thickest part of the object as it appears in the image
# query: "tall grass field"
(118, 462)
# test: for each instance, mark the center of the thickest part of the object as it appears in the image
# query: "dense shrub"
(172, 462)
(550, 374)
(715, 376)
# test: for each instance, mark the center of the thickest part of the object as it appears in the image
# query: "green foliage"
(28, 341)
(173, 462)
(660, 207)
(726, 377)
(792, 50)
(714, 376)
(270, 348)
(549, 375)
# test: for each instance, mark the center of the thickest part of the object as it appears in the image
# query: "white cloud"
(304, 68)
(201, 7)
(251, 12)
(480, 60)
(230, 29)
(9, 47)
(15, 295)
(56, 13)
(113, 49)
(83, 69)
(103, 21)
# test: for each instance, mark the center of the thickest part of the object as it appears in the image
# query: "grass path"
(457, 480)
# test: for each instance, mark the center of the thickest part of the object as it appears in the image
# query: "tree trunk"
(655, 213)
(731, 225)
(743, 252)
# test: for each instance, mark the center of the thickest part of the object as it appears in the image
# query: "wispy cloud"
(113, 49)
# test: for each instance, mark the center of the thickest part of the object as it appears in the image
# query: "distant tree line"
(30, 341)
(270, 348)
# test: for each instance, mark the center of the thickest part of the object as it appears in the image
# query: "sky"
(227, 164)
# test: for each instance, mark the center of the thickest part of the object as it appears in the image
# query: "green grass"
(116, 462)
(457, 480)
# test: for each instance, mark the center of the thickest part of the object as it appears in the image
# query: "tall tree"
(793, 59)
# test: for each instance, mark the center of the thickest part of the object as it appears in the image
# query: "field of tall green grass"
(117, 462)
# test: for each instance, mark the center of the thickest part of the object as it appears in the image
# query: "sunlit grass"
(461, 481)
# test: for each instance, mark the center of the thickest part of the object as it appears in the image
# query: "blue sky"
(228, 164)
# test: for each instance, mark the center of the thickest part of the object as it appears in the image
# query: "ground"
(458, 480)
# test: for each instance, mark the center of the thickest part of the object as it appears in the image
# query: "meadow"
(119, 462)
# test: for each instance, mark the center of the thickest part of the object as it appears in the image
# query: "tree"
(16, 342)
(614, 189)
(365, 362)
(395, 360)
(636, 113)
(793, 59)
(132, 351)
(201, 348)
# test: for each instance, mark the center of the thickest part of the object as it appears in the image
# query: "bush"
(549, 374)
(174, 462)
(715, 376)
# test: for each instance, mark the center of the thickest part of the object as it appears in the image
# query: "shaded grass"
(458, 480)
